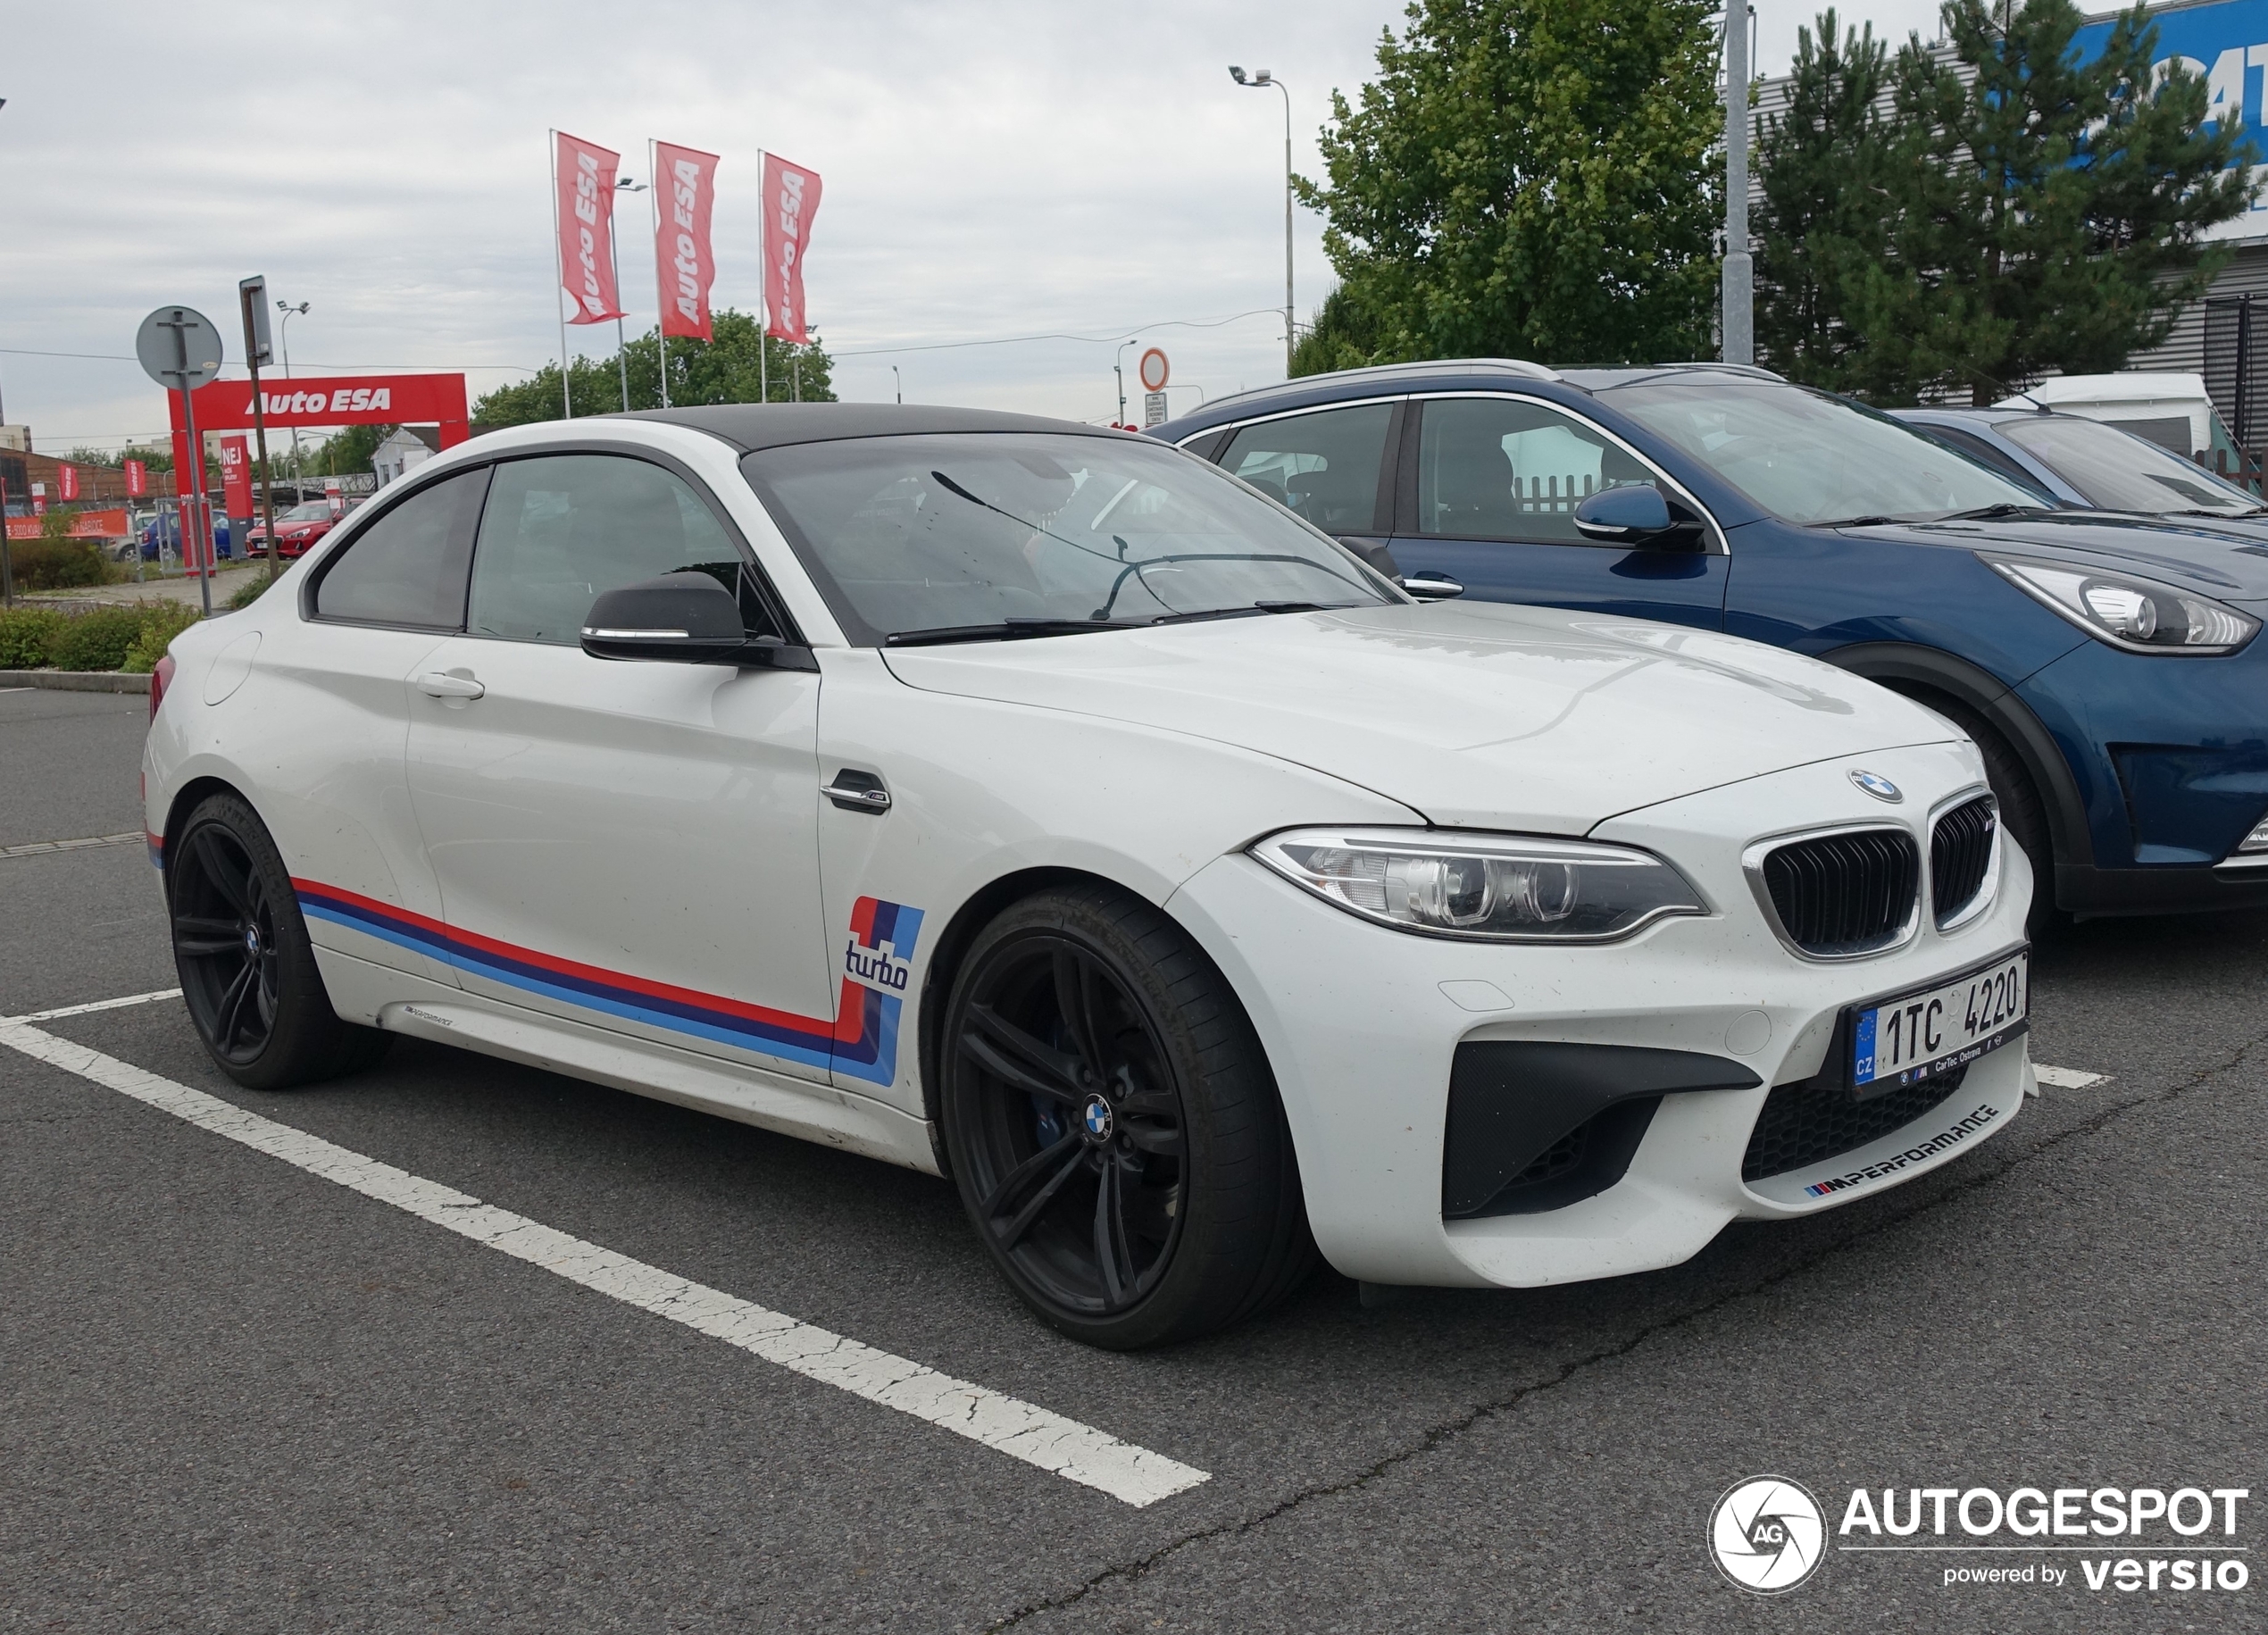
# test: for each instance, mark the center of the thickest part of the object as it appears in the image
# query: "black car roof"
(751, 426)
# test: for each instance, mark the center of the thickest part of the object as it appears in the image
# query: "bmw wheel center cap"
(1878, 786)
(1098, 1120)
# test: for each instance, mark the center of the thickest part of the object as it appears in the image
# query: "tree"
(1820, 168)
(348, 449)
(1526, 178)
(2038, 211)
(722, 371)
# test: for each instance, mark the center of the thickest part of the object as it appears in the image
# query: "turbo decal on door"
(861, 1040)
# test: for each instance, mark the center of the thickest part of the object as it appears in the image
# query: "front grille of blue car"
(1960, 851)
(1842, 894)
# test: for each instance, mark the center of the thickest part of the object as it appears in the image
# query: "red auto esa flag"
(685, 262)
(791, 200)
(584, 173)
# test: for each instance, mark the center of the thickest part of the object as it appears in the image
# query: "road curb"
(77, 681)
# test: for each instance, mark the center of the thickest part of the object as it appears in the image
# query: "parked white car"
(1042, 808)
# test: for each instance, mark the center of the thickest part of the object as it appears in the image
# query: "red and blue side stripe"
(859, 1041)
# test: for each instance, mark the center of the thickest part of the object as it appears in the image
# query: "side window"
(408, 566)
(1981, 451)
(1323, 465)
(1494, 467)
(560, 528)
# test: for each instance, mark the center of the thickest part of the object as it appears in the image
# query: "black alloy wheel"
(246, 966)
(224, 943)
(1112, 1127)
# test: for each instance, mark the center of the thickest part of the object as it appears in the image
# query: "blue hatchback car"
(2106, 665)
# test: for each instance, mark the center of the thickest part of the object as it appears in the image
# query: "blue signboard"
(2225, 44)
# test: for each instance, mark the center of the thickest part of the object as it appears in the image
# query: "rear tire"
(2022, 813)
(1113, 1125)
(246, 966)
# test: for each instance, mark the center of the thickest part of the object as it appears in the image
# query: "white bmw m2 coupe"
(1040, 806)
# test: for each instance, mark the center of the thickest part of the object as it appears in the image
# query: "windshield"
(965, 531)
(2119, 471)
(313, 510)
(1805, 457)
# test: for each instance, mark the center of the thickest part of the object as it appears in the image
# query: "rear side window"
(1494, 467)
(408, 566)
(561, 528)
(1324, 466)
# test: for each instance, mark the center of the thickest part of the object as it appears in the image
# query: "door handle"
(855, 791)
(1432, 587)
(447, 684)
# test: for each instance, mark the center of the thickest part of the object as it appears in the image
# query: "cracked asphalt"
(235, 1397)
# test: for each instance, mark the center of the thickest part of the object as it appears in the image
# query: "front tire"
(246, 966)
(1112, 1126)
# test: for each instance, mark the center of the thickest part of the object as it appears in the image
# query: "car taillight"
(159, 679)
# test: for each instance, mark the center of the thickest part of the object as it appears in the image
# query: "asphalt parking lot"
(238, 1395)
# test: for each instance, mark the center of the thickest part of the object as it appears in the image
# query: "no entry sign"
(1152, 371)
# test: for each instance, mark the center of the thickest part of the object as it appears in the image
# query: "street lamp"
(899, 382)
(1118, 368)
(283, 335)
(1260, 78)
(623, 184)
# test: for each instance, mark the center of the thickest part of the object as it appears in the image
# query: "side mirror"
(685, 618)
(1635, 516)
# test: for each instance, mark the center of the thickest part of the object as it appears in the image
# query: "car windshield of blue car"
(2119, 472)
(1808, 458)
(979, 536)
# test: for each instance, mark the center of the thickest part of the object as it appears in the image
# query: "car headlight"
(2137, 614)
(1490, 888)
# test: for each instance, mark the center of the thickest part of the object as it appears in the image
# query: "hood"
(2222, 557)
(1484, 714)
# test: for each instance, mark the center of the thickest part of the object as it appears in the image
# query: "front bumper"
(1363, 1023)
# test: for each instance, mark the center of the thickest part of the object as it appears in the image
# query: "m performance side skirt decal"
(861, 1041)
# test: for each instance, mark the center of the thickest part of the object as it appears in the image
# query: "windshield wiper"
(1250, 609)
(1006, 630)
(2257, 510)
(2002, 508)
(1855, 522)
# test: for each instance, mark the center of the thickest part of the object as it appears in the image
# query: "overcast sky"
(992, 170)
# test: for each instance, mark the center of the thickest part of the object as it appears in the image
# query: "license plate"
(1917, 1036)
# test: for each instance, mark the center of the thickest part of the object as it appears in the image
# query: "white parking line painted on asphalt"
(1020, 1430)
(31, 849)
(100, 1005)
(2065, 1077)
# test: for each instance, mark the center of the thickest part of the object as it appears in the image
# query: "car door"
(629, 846)
(1489, 486)
(1330, 465)
(333, 722)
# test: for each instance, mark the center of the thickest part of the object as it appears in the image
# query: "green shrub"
(160, 625)
(94, 640)
(247, 593)
(56, 565)
(24, 633)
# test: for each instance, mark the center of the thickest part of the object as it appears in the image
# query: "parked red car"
(296, 529)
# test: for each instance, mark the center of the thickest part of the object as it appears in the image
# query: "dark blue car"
(2107, 666)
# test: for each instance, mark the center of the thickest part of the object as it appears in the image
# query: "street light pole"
(1739, 327)
(623, 184)
(899, 381)
(1258, 79)
(283, 338)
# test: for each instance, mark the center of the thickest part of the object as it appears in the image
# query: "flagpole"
(559, 281)
(763, 283)
(621, 347)
(661, 297)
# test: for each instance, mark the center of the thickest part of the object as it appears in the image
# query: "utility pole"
(1739, 331)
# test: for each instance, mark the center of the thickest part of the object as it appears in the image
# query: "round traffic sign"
(1153, 370)
(178, 346)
